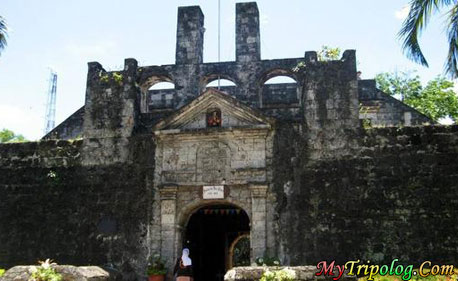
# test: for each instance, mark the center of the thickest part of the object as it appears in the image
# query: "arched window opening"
(157, 95)
(162, 86)
(280, 80)
(225, 85)
(280, 90)
(222, 83)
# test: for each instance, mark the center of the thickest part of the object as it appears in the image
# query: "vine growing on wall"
(117, 77)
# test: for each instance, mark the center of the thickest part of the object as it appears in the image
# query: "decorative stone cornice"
(258, 191)
(168, 192)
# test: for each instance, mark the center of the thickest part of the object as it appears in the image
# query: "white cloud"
(402, 13)
(21, 121)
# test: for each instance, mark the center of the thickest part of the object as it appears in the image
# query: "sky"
(65, 35)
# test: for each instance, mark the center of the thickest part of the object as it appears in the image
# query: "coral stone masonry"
(290, 165)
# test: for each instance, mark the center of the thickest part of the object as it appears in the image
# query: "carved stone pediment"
(214, 109)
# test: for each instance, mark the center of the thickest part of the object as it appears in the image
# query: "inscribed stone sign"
(213, 192)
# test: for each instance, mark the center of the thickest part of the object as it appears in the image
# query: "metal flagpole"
(219, 38)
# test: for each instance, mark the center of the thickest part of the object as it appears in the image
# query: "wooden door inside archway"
(239, 252)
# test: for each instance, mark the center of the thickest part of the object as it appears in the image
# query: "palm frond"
(416, 21)
(3, 34)
(452, 56)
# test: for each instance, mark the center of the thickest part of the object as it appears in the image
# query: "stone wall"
(393, 197)
(381, 109)
(330, 106)
(70, 128)
(52, 206)
(299, 273)
(278, 100)
(68, 273)
(110, 114)
(248, 39)
(235, 157)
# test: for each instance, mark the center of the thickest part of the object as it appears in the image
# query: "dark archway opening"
(210, 232)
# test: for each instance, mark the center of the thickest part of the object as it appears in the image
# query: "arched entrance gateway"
(212, 186)
(219, 233)
(210, 234)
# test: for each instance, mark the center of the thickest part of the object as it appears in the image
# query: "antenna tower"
(50, 114)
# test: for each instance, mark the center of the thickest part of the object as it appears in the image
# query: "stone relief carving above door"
(213, 162)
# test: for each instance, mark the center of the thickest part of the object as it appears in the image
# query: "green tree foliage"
(437, 99)
(417, 20)
(9, 136)
(399, 84)
(3, 34)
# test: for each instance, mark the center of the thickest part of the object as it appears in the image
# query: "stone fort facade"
(127, 175)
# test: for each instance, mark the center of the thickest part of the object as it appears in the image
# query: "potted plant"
(156, 269)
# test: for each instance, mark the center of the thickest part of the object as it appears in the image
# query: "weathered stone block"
(299, 272)
(69, 273)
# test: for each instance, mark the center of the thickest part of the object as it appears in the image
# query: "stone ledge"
(69, 273)
(302, 273)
